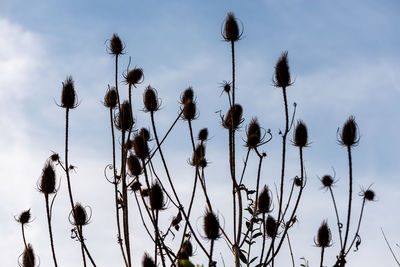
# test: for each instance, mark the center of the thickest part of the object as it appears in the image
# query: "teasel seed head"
(226, 86)
(187, 95)
(282, 73)
(55, 157)
(327, 181)
(298, 182)
(231, 31)
(198, 156)
(157, 201)
(186, 251)
(145, 134)
(79, 215)
(368, 195)
(148, 261)
(150, 100)
(111, 98)
(324, 237)
(203, 135)
(349, 135)
(24, 217)
(264, 201)
(68, 94)
(189, 111)
(116, 46)
(135, 186)
(47, 183)
(211, 225)
(134, 165)
(125, 119)
(140, 147)
(253, 134)
(134, 76)
(271, 226)
(28, 257)
(300, 136)
(233, 118)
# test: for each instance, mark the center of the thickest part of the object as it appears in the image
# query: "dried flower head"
(134, 76)
(124, 119)
(47, 183)
(186, 250)
(111, 98)
(187, 95)
(24, 217)
(55, 157)
(211, 225)
(231, 31)
(324, 237)
(368, 195)
(28, 257)
(297, 181)
(198, 157)
(135, 186)
(140, 147)
(116, 47)
(145, 134)
(203, 134)
(226, 86)
(79, 215)
(157, 201)
(68, 94)
(300, 136)
(327, 181)
(282, 73)
(264, 200)
(134, 165)
(148, 261)
(189, 111)
(253, 134)
(271, 226)
(150, 100)
(233, 118)
(349, 135)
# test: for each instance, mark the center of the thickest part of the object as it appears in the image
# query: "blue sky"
(343, 55)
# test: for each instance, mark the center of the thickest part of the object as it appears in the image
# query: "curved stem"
(358, 228)
(339, 224)
(46, 196)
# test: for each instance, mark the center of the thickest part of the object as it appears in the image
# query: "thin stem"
(291, 251)
(46, 196)
(390, 248)
(350, 198)
(210, 261)
(339, 224)
(23, 236)
(244, 165)
(82, 249)
(358, 227)
(322, 256)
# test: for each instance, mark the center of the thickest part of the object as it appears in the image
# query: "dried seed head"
(116, 46)
(134, 165)
(134, 76)
(211, 225)
(198, 156)
(68, 95)
(54, 157)
(282, 73)
(186, 251)
(125, 119)
(297, 181)
(203, 134)
(111, 98)
(28, 257)
(264, 201)
(156, 197)
(349, 135)
(226, 86)
(140, 147)
(150, 99)
(253, 134)
(48, 180)
(189, 111)
(148, 261)
(187, 95)
(324, 237)
(327, 181)
(135, 186)
(233, 118)
(80, 215)
(300, 138)
(145, 192)
(24, 217)
(369, 195)
(231, 29)
(271, 226)
(145, 134)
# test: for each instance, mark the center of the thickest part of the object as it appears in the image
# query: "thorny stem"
(81, 239)
(358, 228)
(322, 256)
(46, 196)
(82, 249)
(339, 224)
(210, 261)
(350, 197)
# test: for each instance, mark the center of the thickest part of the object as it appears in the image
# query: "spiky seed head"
(211, 225)
(300, 138)
(203, 134)
(271, 226)
(231, 28)
(54, 157)
(140, 147)
(134, 76)
(369, 195)
(116, 46)
(145, 134)
(156, 197)
(148, 261)
(327, 181)
(186, 251)
(135, 186)
(28, 257)
(264, 201)
(298, 181)
(48, 180)
(226, 86)
(134, 165)
(324, 237)
(187, 95)
(253, 134)
(189, 111)
(68, 94)
(125, 119)
(150, 100)
(80, 215)
(198, 155)
(145, 192)
(349, 135)
(24, 217)
(111, 98)
(233, 118)
(282, 73)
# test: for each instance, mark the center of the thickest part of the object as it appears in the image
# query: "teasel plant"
(27, 258)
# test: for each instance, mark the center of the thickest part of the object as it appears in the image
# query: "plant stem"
(339, 224)
(46, 196)
(350, 198)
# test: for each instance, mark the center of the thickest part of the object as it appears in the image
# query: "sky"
(344, 60)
